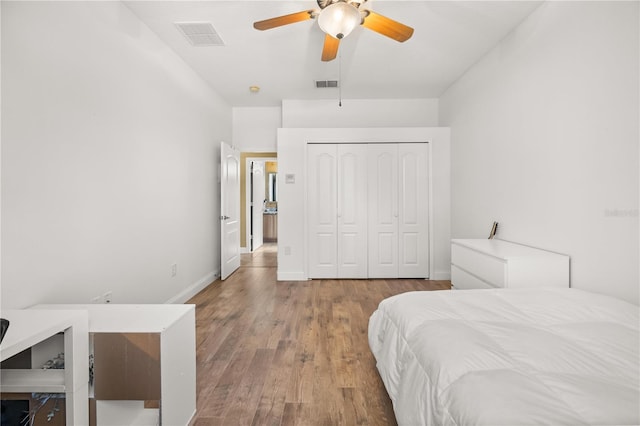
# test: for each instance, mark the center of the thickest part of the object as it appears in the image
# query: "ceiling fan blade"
(387, 27)
(330, 48)
(279, 21)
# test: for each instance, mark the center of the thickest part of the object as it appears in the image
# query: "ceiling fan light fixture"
(339, 19)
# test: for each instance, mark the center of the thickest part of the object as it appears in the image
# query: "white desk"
(29, 327)
(166, 333)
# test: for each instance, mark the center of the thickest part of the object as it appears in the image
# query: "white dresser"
(484, 263)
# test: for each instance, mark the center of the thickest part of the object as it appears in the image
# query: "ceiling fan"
(337, 18)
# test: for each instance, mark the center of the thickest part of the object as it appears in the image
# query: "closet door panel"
(326, 257)
(352, 211)
(383, 210)
(386, 245)
(385, 185)
(322, 174)
(409, 248)
(413, 226)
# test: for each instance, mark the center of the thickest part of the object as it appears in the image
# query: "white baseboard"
(291, 276)
(299, 276)
(195, 288)
(442, 276)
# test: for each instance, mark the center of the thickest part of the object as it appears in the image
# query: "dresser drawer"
(488, 268)
(462, 280)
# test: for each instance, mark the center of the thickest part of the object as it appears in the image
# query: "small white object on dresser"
(493, 263)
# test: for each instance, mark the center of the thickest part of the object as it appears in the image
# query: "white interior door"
(413, 212)
(352, 211)
(322, 198)
(383, 210)
(229, 210)
(259, 183)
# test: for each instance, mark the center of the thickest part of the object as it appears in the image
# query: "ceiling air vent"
(200, 33)
(321, 84)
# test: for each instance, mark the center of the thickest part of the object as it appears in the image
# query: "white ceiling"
(284, 62)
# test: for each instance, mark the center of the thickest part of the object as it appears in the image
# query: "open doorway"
(257, 205)
(270, 209)
(259, 202)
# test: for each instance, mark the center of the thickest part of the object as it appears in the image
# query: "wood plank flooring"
(288, 352)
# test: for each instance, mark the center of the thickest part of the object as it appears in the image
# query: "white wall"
(545, 136)
(292, 158)
(356, 113)
(0, 160)
(109, 159)
(255, 128)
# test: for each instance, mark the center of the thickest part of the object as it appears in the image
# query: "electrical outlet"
(174, 269)
(106, 298)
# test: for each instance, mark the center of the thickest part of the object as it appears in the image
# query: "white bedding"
(508, 357)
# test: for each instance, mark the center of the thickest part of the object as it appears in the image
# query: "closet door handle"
(395, 207)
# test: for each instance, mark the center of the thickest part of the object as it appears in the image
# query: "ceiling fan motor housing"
(324, 3)
(339, 19)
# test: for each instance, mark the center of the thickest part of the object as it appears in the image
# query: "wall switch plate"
(174, 269)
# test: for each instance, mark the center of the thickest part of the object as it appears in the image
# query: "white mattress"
(508, 357)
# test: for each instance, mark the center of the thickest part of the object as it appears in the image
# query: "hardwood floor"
(288, 352)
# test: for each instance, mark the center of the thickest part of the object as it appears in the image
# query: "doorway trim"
(245, 175)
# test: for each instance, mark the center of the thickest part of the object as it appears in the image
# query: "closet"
(368, 210)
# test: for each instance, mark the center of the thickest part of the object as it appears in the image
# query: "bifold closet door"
(383, 210)
(337, 202)
(322, 174)
(398, 200)
(352, 211)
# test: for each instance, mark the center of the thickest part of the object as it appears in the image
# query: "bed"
(508, 357)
